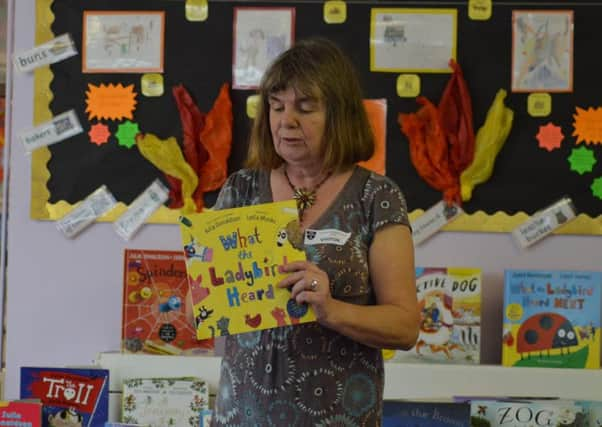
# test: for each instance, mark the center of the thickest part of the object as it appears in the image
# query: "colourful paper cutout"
(99, 134)
(126, 134)
(335, 11)
(167, 156)
(539, 104)
(408, 85)
(376, 109)
(479, 10)
(588, 125)
(110, 102)
(582, 160)
(197, 10)
(550, 136)
(151, 84)
(596, 187)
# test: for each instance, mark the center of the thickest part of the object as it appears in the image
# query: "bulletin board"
(198, 55)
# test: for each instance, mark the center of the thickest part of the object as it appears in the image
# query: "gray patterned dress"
(308, 375)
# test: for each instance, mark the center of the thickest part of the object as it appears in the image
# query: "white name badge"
(61, 127)
(50, 52)
(433, 220)
(329, 236)
(544, 222)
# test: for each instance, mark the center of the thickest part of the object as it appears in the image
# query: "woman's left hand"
(308, 284)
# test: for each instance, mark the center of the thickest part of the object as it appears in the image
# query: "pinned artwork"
(126, 134)
(123, 41)
(110, 102)
(417, 40)
(550, 136)
(260, 35)
(542, 50)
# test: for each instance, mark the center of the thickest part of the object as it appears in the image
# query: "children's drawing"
(542, 51)
(123, 42)
(260, 35)
(419, 40)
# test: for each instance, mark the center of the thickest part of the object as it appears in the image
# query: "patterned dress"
(308, 375)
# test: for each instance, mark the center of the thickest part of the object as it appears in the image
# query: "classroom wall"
(64, 297)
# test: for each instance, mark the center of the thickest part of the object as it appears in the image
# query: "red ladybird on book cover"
(157, 310)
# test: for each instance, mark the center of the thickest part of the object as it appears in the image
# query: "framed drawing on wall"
(260, 35)
(412, 40)
(123, 41)
(542, 50)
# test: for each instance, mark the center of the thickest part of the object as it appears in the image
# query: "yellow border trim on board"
(40, 207)
(501, 222)
(409, 11)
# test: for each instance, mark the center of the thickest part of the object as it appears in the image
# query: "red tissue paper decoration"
(441, 138)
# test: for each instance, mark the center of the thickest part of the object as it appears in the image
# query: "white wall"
(64, 297)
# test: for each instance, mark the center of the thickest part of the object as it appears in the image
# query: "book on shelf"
(234, 260)
(157, 305)
(551, 319)
(164, 402)
(25, 413)
(408, 413)
(527, 413)
(450, 326)
(77, 396)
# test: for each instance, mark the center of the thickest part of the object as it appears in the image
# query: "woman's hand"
(308, 284)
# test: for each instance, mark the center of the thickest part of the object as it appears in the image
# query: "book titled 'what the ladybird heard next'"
(234, 259)
(551, 319)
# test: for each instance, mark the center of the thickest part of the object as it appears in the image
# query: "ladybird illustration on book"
(552, 319)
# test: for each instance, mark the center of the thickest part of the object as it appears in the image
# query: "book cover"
(551, 319)
(20, 413)
(164, 402)
(77, 396)
(548, 413)
(425, 414)
(234, 258)
(450, 327)
(157, 305)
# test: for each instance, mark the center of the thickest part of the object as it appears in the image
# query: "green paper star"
(597, 187)
(126, 134)
(582, 160)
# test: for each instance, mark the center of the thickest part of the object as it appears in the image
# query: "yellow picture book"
(234, 259)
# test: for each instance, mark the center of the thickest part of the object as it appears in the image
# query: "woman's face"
(297, 123)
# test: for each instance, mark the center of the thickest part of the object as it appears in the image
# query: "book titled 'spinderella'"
(234, 260)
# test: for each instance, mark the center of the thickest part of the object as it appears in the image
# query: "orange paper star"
(550, 136)
(110, 102)
(99, 133)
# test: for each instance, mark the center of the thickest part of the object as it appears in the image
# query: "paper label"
(140, 209)
(544, 223)
(50, 52)
(61, 127)
(433, 220)
(95, 205)
(329, 236)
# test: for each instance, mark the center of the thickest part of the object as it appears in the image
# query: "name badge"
(326, 237)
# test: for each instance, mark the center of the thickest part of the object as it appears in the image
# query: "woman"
(310, 131)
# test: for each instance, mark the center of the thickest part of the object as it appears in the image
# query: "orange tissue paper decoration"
(207, 143)
(441, 139)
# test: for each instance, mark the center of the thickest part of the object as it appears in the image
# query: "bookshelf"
(402, 381)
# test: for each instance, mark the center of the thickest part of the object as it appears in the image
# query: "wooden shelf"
(402, 380)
